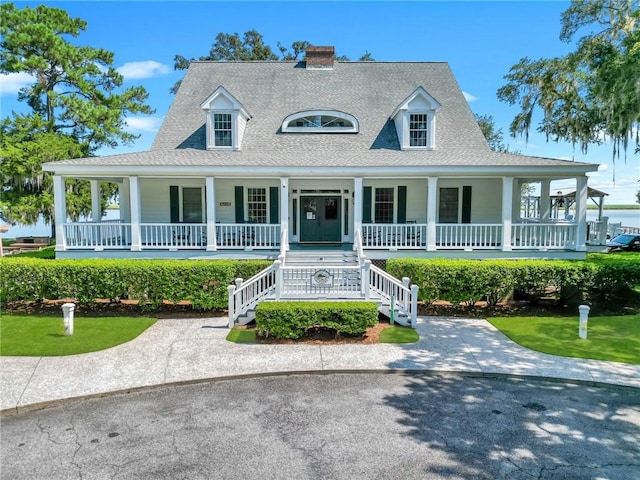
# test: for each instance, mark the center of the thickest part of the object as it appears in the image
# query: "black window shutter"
(402, 204)
(239, 204)
(174, 203)
(366, 205)
(466, 204)
(274, 206)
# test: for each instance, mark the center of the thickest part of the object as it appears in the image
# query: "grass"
(399, 335)
(612, 338)
(48, 253)
(240, 335)
(29, 335)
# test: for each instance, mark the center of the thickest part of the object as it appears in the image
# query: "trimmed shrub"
(615, 275)
(600, 277)
(150, 282)
(294, 319)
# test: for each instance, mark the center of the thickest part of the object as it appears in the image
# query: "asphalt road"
(338, 426)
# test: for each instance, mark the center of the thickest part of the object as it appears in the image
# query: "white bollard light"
(67, 312)
(584, 319)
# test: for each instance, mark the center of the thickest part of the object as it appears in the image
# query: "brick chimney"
(320, 57)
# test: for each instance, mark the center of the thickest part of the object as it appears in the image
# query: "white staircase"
(323, 275)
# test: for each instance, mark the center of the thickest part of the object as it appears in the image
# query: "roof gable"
(418, 100)
(221, 99)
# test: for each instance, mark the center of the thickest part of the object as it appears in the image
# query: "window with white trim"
(383, 208)
(257, 205)
(222, 130)
(320, 121)
(418, 130)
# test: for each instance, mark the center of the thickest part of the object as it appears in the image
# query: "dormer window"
(222, 131)
(415, 121)
(320, 121)
(226, 121)
(418, 130)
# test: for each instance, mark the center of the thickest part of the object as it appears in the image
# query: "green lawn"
(399, 335)
(612, 338)
(30, 335)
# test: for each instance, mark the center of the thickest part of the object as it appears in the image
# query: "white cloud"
(146, 69)
(143, 124)
(602, 167)
(11, 83)
(470, 98)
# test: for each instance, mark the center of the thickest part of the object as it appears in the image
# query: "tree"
(76, 106)
(495, 140)
(494, 137)
(230, 47)
(592, 93)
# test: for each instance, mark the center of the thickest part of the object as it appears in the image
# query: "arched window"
(320, 121)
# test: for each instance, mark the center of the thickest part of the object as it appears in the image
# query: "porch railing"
(183, 235)
(171, 236)
(543, 235)
(250, 235)
(477, 236)
(394, 235)
(85, 235)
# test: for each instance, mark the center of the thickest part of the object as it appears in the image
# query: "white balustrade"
(93, 235)
(543, 236)
(240, 235)
(173, 235)
(393, 235)
(476, 236)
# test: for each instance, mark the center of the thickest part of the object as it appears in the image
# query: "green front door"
(320, 219)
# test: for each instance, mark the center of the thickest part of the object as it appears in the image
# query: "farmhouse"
(258, 158)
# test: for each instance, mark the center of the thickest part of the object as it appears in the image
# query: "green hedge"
(469, 281)
(294, 319)
(203, 283)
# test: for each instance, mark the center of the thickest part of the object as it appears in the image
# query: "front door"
(320, 219)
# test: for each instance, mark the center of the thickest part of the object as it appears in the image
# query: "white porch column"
(432, 202)
(284, 209)
(210, 200)
(60, 212)
(357, 204)
(545, 202)
(124, 201)
(581, 213)
(96, 204)
(134, 202)
(507, 204)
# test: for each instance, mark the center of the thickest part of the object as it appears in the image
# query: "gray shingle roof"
(370, 91)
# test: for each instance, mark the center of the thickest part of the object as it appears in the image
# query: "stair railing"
(284, 244)
(357, 246)
(391, 290)
(245, 296)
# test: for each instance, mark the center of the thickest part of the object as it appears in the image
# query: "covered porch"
(263, 216)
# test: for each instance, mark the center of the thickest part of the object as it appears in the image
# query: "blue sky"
(481, 40)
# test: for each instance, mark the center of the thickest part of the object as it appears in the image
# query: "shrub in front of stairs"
(294, 319)
(150, 282)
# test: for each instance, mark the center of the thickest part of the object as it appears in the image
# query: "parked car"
(624, 243)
